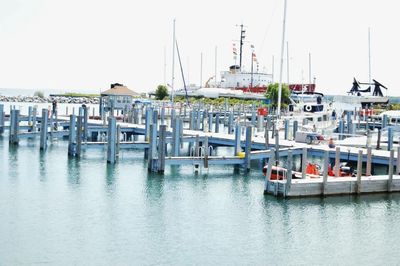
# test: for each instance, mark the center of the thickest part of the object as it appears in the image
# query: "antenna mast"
(242, 32)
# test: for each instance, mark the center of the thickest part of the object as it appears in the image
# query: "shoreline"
(50, 99)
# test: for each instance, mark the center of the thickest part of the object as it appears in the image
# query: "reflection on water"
(85, 211)
(73, 171)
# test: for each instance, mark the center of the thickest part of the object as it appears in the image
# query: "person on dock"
(331, 144)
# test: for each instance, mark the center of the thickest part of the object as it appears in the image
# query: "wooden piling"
(14, 127)
(390, 173)
(230, 123)
(175, 137)
(43, 129)
(162, 148)
(71, 136)
(369, 161)
(398, 159)
(217, 123)
(286, 125)
(206, 151)
(152, 162)
(325, 173)
(289, 172)
(336, 168)
(295, 128)
(79, 133)
(210, 121)
(247, 148)
(269, 170)
(111, 134)
(304, 163)
(237, 140)
(359, 171)
(390, 139)
(1, 119)
(118, 140)
(378, 141)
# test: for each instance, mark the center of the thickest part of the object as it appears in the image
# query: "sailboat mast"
(309, 69)
(201, 69)
(173, 63)
(369, 55)
(278, 112)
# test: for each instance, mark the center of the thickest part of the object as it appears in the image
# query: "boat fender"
(308, 108)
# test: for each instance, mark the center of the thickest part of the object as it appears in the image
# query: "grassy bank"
(217, 101)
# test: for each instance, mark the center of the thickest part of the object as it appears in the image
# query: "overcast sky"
(84, 45)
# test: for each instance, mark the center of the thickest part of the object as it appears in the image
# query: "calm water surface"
(60, 211)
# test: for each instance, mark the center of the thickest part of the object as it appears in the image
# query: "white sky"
(84, 45)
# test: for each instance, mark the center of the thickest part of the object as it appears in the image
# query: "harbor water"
(57, 210)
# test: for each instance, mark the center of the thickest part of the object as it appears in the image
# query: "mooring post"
(148, 120)
(30, 116)
(391, 162)
(390, 138)
(1, 119)
(173, 115)
(71, 136)
(384, 121)
(198, 119)
(206, 152)
(230, 123)
(162, 148)
(237, 140)
(175, 137)
(162, 115)
(210, 120)
(260, 123)
(217, 123)
(336, 168)
(289, 172)
(248, 148)
(359, 171)
(304, 163)
(253, 116)
(266, 135)
(191, 120)
(136, 115)
(14, 127)
(378, 141)
(348, 122)
(85, 123)
(155, 119)
(43, 129)
(111, 134)
(398, 159)
(341, 129)
(34, 120)
(269, 170)
(369, 161)
(118, 140)
(79, 133)
(325, 173)
(295, 128)
(152, 162)
(203, 120)
(286, 123)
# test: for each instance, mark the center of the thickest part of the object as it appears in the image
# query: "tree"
(272, 94)
(161, 92)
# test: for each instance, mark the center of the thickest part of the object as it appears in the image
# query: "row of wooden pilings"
(336, 169)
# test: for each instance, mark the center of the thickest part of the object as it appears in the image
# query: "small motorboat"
(313, 170)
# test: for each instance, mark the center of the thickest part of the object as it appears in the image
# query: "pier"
(180, 135)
